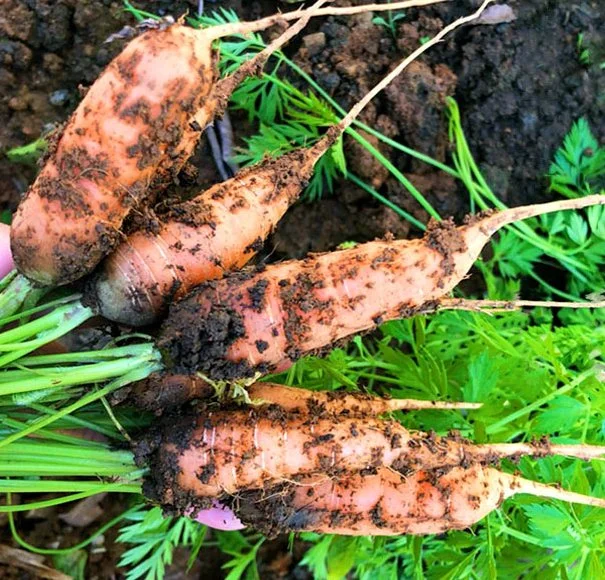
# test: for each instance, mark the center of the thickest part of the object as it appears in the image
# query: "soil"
(519, 85)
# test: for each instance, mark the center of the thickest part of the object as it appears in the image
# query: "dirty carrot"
(218, 231)
(129, 136)
(352, 404)
(211, 453)
(385, 503)
(263, 321)
(163, 392)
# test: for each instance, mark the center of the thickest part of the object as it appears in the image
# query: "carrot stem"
(18, 291)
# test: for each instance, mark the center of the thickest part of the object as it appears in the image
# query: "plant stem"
(495, 427)
(85, 374)
(136, 374)
(16, 293)
(480, 190)
(79, 546)
(110, 487)
(133, 350)
(404, 214)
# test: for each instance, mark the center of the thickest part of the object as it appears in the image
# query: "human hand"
(6, 258)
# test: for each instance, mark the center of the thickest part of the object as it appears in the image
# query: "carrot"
(222, 452)
(386, 503)
(350, 404)
(117, 143)
(160, 393)
(263, 321)
(163, 392)
(130, 135)
(216, 232)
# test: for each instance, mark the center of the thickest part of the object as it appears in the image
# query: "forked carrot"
(386, 503)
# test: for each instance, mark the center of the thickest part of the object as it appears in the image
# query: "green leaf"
(483, 377)
(154, 539)
(578, 162)
(514, 256)
(596, 220)
(577, 229)
(316, 558)
(73, 563)
(563, 411)
(341, 557)
(27, 154)
(546, 521)
(243, 555)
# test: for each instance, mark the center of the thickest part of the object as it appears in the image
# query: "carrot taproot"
(263, 321)
(351, 404)
(130, 135)
(387, 503)
(116, 145)
(220, 230)
(213, 453)
(163, 392)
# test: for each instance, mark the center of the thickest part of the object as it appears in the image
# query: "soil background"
(520, 86)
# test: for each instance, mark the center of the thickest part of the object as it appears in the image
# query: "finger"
(6, 258)
(219, 517)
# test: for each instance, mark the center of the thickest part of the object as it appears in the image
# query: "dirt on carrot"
(446, 238)
(312, 304)
(326, 463)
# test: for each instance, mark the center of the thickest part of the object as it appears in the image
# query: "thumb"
(6, 258)
(219, 517)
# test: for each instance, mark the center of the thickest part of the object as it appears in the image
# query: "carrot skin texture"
(130, 133)
(213, 453)
(383, 503)
(350, 404)
(386, 503)
(263, 321)
(199, 240)
(162, 392)
(228, 451)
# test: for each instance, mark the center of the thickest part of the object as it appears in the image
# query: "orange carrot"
(351, 404)
(263, 321)
(386, 503)
(164, 392)
(307, 464)
(199, 240)
(227, 451)
(129, 136)
(119, 142)
(218, 231)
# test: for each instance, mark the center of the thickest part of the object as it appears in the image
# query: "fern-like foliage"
(153, 538)
(579, 164)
